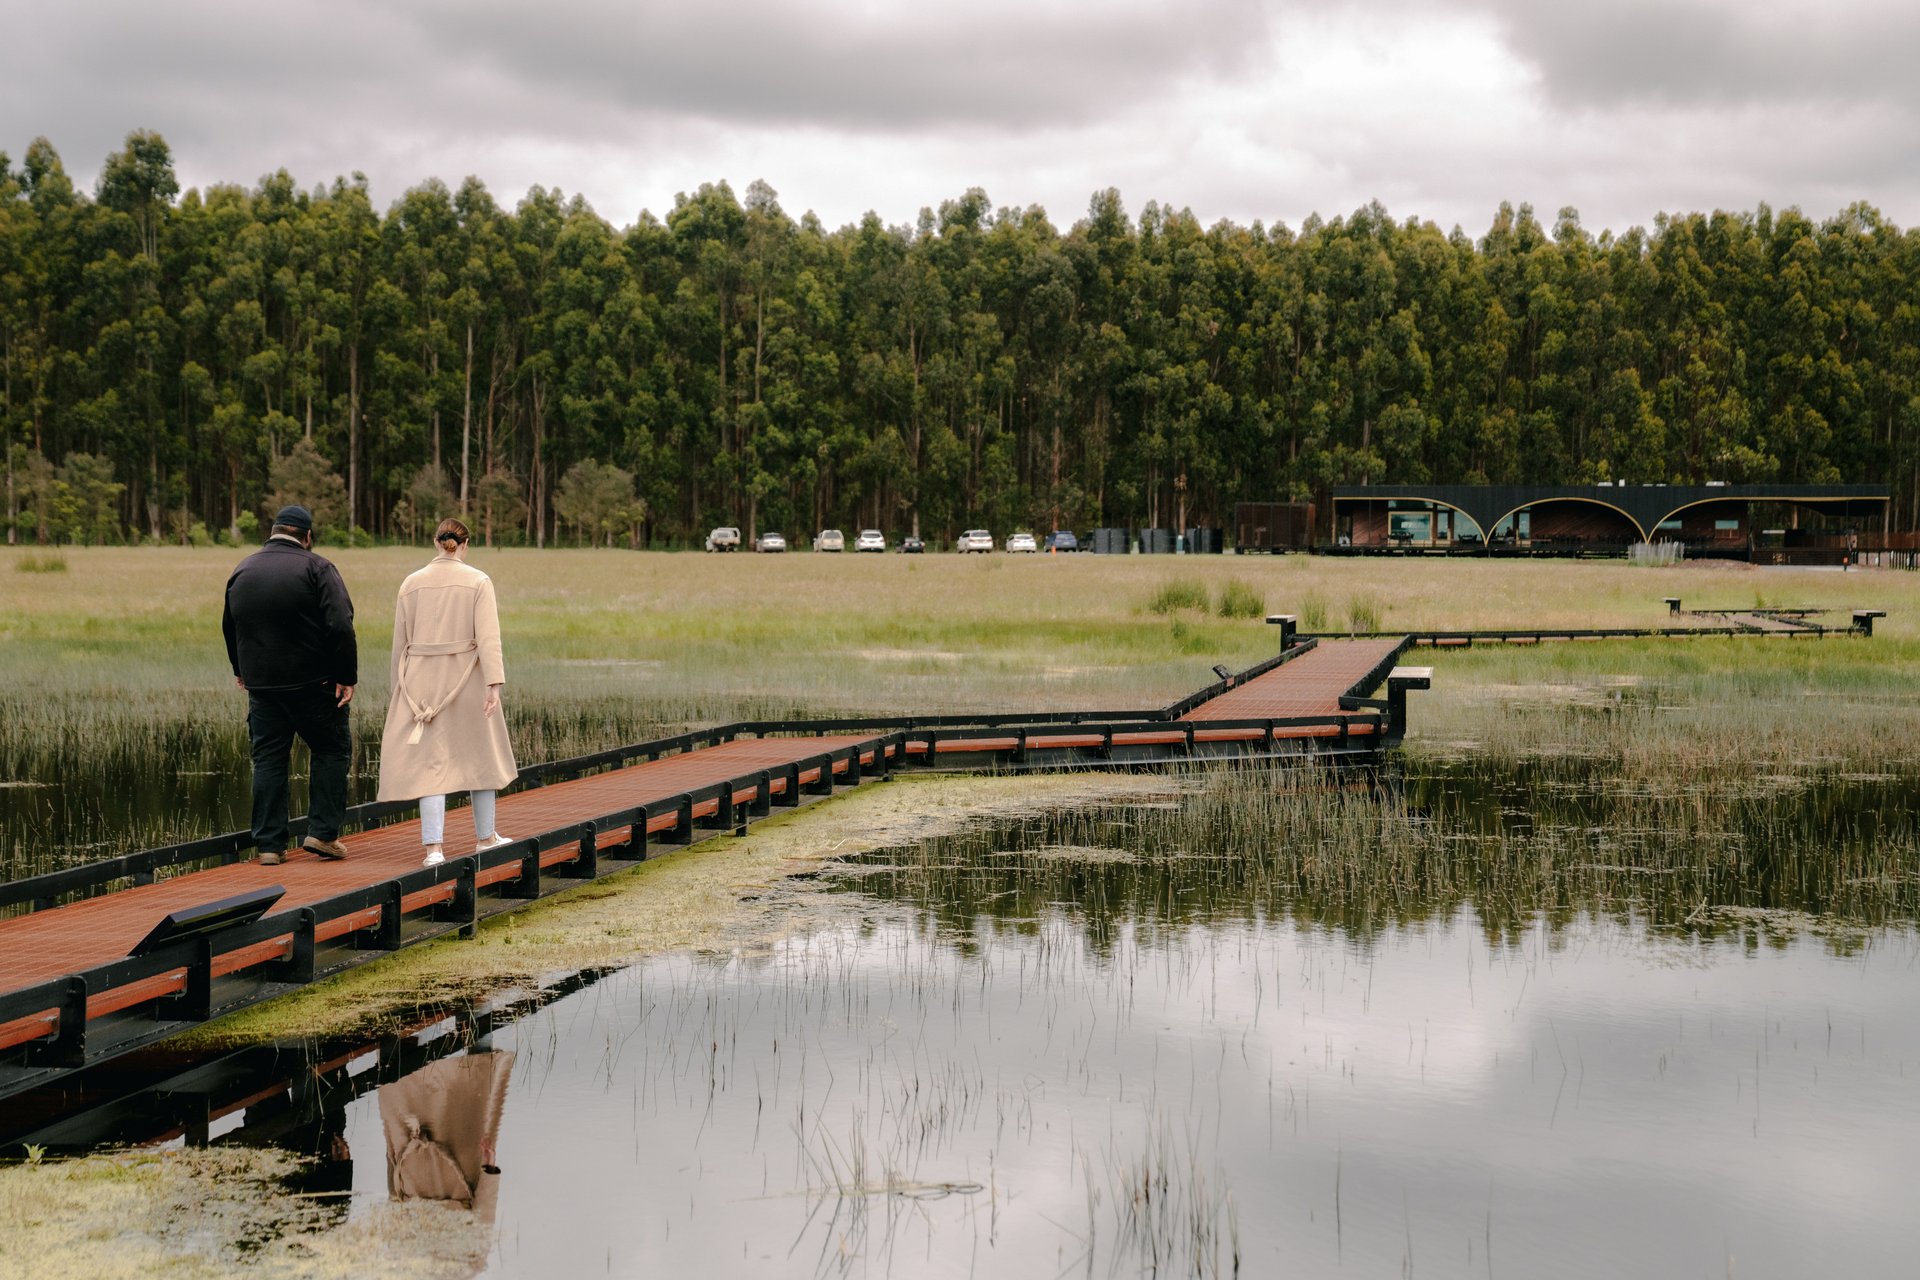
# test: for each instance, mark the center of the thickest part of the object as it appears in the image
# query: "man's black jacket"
(288, 620)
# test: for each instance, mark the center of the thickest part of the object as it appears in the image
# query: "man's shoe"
(271, 857)
(331, 850)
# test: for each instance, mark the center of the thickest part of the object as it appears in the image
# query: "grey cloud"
(1639, 106)
(1716, 52)
(225, 79)
(869, 69)
(523, 93)
(591, 67)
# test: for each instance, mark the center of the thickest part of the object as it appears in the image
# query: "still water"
(1473, 1023)
(895, 1095)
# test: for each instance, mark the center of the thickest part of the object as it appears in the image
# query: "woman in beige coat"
(444, 729)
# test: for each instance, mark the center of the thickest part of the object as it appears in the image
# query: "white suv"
(830, 540)
(723, 539)
(870, 540)
(974, 540)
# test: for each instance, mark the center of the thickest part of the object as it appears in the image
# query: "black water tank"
(1156, 542)
(1203, 542)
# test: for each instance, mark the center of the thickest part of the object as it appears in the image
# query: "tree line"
(177, 363)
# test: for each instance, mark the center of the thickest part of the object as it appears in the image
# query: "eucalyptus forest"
(174, 364)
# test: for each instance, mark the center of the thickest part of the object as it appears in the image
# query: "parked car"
(770, 542)
(912, 546)
(974, 540)
(723, 539)
(830, 540)
(1062, 540)
(870, 540)
(1022, 542)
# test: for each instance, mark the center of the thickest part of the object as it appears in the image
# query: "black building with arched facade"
(1732, 521)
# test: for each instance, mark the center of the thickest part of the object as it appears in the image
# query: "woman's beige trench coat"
(446, 651)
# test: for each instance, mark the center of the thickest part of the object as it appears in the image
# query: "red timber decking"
(71, 995)
(1310, 685)
(47, 944)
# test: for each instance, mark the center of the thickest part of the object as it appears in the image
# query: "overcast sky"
(1241, 109)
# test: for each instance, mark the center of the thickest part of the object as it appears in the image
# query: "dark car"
(912, 546)
(1062, 540)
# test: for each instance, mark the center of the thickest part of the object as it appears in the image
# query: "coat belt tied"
(422, 715)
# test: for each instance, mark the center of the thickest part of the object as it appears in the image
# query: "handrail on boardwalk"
(44, 891)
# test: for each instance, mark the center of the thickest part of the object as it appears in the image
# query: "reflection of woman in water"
(441, 1124)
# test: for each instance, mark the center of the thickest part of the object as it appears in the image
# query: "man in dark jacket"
(290, 641)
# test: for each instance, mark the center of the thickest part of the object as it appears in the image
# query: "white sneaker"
(493, 841)
(433, 859)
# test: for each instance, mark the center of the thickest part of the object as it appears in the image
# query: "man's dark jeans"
(274, 717)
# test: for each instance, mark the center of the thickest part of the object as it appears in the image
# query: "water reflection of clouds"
(1593, 1084)
(1576, 1097)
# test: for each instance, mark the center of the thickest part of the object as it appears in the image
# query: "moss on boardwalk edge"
(726, 892)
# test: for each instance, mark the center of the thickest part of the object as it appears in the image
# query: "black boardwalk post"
(67, 1048)
(586, 861)
(528, 883)
(297, 968)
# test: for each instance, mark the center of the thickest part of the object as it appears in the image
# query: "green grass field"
(702, 637)
(117, 658)
(602, 645)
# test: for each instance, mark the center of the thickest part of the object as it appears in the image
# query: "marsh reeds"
(1367, 854)
(1177, 594)
(1363, 613)
(1240, 599)
(41, 562)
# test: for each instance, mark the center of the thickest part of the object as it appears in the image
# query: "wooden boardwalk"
(47, 944)
(1310, 685)
(71, 995)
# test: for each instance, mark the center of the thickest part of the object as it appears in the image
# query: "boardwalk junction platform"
(101, 959)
